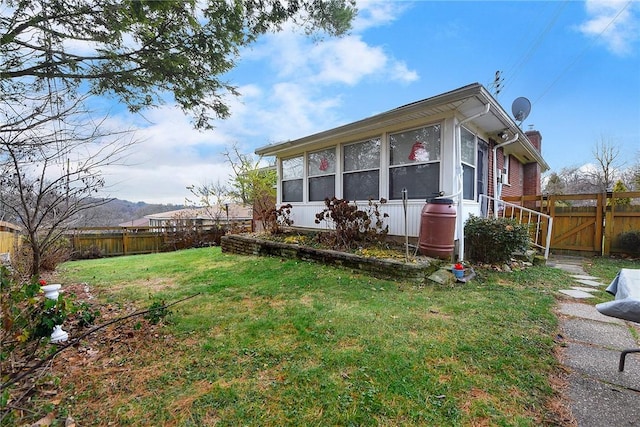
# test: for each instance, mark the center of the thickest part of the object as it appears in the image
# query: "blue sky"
(577, 62)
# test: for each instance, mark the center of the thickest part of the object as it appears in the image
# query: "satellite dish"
(521, 108)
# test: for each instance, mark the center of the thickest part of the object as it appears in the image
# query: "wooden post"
(551, 211)
(76, 241)
(608, 226)
(601, 208)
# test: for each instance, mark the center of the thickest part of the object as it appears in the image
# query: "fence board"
(587, 222)
(9, 238)
(117, 241)
(620, 220)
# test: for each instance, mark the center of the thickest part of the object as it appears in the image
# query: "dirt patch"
(118, 358)
(558, 407)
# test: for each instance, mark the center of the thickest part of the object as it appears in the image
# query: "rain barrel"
(437, 228)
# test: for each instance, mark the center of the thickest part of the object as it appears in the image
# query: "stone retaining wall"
(381, 268)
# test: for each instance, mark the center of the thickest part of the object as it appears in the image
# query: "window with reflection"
(292, 176)
(322, 174)
(505, 168)
(468, 147)
(361, 165)
(414, 162)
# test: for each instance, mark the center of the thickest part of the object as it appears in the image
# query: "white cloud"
(289, 91)
(165, 183)
(350, 60)
(169, 156)
(295, 73)
(614, 23)
(377, 13)
(296, 110)
(400, 72)
(346, 60)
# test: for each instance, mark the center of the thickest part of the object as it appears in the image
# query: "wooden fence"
(587, 223)
(91, 242)
(9, 238)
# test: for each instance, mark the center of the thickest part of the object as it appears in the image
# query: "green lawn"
(607, 268)
(276, 342)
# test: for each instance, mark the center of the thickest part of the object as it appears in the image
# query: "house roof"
(466, 102)
(236, 211)
(139, 222)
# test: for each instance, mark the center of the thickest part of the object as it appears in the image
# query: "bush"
(630, 242)
(26, 313)
(353, 226)
(493, 240)
(57, 253)
(275, 220)
(193, 236)
(92, 252)
(27, 319)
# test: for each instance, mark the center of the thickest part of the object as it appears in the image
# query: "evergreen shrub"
(630, 242)
(493, 240)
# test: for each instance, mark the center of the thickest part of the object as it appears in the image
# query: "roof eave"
(375, 122)
(451, 100)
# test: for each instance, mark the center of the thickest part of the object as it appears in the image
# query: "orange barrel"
(437, 228)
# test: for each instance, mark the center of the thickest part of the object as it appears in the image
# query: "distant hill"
(118, 211)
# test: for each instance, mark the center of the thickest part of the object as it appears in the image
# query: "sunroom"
(452, 145)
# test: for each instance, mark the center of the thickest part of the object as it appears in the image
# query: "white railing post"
(530, 213)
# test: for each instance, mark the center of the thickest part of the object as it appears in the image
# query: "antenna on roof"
(520, 109)
(496, 85)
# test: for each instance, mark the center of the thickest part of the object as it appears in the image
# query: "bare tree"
(554, 184)
(571, 180)
(596, 178)
(631, 176)
(211, 196)
(606, 155)
(51, 160)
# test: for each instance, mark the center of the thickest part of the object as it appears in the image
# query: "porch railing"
(540, 225)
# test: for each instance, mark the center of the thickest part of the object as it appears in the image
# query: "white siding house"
(220, 214)
(444, 144)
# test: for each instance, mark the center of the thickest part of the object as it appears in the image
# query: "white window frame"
(291, 179)
(473, 165)
(414, 163)
(346, 172)
(311, 175)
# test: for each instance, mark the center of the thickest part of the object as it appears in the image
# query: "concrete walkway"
(599, 395)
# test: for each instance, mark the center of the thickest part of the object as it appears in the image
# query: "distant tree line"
(606, 173)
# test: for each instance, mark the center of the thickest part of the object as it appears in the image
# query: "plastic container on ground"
(437, 229)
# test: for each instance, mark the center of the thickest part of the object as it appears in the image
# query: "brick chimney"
(535, 138)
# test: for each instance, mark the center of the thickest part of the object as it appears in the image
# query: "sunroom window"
(414, 163)
(292, 176)
(322, 174)
(468, 146)
(361, 176)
